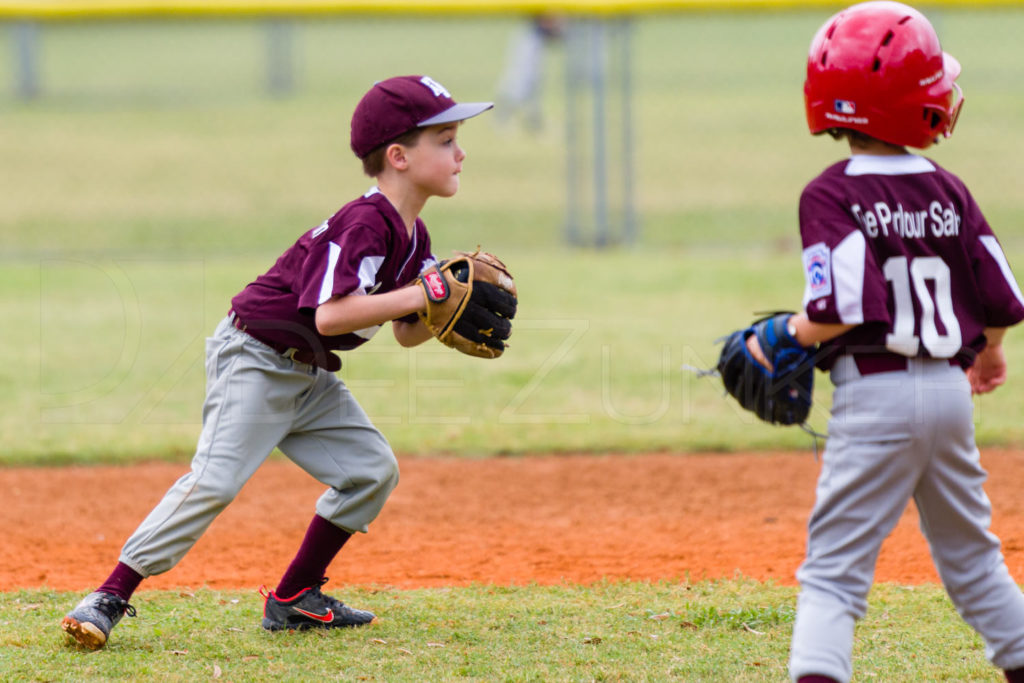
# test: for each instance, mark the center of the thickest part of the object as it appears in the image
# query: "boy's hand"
(755, 350)
(988, 371)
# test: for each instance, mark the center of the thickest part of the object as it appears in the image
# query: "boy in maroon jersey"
(271, 379)
(906, 288)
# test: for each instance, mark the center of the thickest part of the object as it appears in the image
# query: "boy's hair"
(375, 162)
(853, 136)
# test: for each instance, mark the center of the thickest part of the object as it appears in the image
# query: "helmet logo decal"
(842, 118)
(931, 79)
(845, 107)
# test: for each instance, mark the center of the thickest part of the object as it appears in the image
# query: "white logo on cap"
(438, 89)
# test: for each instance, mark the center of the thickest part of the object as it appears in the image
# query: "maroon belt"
(875, 363)
(324, 359)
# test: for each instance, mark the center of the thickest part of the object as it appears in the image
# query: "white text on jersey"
(942, 222)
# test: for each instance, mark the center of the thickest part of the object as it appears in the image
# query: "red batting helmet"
(877, 67)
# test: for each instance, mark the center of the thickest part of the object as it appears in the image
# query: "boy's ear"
(395, 156)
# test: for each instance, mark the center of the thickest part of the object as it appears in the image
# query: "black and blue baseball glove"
(781, 395)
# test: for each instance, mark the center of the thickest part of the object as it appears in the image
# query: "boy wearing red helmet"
(909, 294)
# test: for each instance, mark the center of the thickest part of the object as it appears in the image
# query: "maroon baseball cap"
(399, 104)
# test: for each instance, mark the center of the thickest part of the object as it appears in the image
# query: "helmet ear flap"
(956, 103)
(942, 119)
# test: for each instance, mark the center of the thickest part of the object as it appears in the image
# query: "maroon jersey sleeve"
(364, 248)
(843, 282)
(341, 262)
(1001, 296)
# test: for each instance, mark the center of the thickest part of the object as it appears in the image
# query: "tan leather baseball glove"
(471, 300)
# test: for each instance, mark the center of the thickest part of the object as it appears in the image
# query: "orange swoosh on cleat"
(326, 618)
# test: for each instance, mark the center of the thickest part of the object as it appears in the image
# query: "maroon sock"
(1014, 675)
(322, 542)
(122, 582)
(816, 678)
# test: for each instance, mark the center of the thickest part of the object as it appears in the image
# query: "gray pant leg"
(847, 527)
(249, 408)
(955, 516)
(867, 479)
(335, 442)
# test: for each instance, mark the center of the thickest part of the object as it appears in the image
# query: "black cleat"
(310, 609)
(91, 621)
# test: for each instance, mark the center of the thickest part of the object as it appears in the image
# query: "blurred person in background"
(520, 90)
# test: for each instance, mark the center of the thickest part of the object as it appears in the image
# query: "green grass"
(154, 178)
(681, 631)
(113, 364)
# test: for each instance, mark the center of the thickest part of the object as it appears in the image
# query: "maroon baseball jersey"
(898, 247)
(362, 249)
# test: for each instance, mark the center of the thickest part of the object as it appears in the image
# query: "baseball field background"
(153, 178)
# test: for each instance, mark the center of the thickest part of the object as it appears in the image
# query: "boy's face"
(436, 160)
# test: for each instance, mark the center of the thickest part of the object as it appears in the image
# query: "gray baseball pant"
(892, 437)
(256, 400)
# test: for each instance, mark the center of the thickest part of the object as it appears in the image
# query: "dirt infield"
(451, 522)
